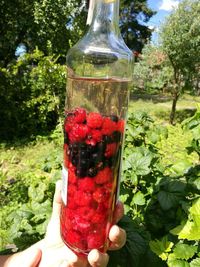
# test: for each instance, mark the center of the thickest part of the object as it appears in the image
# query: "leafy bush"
(161, 197)
(32, 93)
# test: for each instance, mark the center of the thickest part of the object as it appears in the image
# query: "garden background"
(161, 162)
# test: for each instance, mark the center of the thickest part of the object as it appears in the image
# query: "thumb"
(31, 257)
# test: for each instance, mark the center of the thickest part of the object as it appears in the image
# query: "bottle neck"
(103, 16)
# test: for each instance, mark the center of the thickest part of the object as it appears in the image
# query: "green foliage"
(180, 38)
(193, 125)
(153, 72)
(162, 205)
(36, 84)
(26, 190)
(135, 34)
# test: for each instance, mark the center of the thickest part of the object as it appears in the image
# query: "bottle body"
(99, 74)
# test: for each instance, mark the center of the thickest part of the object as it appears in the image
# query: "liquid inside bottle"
(93, 129)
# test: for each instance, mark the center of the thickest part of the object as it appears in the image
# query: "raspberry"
(101, 195)
(83, 198)
(71, 176)
(78, 133)
(104, 176)
(95, 240)
(108, 126)
(94, 120)
(86, 184)
(111, 149)
(71, 190)
(86, 212)
(98, 218)
(81, 224)
(80, 115)
(121, 126)
(75, 239)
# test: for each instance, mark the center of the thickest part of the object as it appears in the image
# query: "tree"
(135, 33)
(180, 38)
(53, 26)
(153, 72)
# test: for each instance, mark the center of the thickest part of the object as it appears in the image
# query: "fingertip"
(117, 237)
(98, 259)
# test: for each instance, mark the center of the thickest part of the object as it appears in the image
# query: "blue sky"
(163, 8)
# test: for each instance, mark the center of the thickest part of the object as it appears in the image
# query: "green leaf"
(195, 209)
(161, 247)
(178, 263)
(195, 263)
(189, 231)
(168, 200)
(197, 183)
(138, 199)
(184, 251)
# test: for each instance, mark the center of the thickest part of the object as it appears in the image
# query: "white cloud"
(168, 5)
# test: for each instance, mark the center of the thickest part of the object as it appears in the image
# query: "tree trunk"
(173, 110)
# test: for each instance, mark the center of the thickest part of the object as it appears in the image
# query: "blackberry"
(114, 118)
(101, 146)
(100, 165)
(116, 136)
(107, 139)
(92, 172)
(84, 154)
(83, 164)
(74, 161)
(110, 162)
(81, 172)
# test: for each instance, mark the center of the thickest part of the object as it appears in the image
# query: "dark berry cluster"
(91, 155)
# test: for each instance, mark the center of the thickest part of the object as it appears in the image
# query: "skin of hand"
(52, 252)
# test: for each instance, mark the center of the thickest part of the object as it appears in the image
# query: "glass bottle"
(99, 73)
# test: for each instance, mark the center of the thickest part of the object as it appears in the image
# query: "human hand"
(27, 258)
(56, 254)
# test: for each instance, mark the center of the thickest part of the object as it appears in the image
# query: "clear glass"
(99, 73)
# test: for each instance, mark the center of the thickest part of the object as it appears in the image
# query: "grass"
(160, 111)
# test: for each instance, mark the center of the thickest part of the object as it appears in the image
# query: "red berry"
(86, 184)
(82, 198)
(75, 239)
(111, 150)
(80, 115)
(108, 126)
(104, 176)
(96, 135)
(95, 240)
(98, 218)
(72, 176)
(71, 189)
(78, 132)
(101, 195)
(86, 212)
(94, 120)
(121, 126)
(81, 224)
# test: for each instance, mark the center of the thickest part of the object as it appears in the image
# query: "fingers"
(75, 262)
(119, 212)
(28, 258)
(97, 259)
(117, 237)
